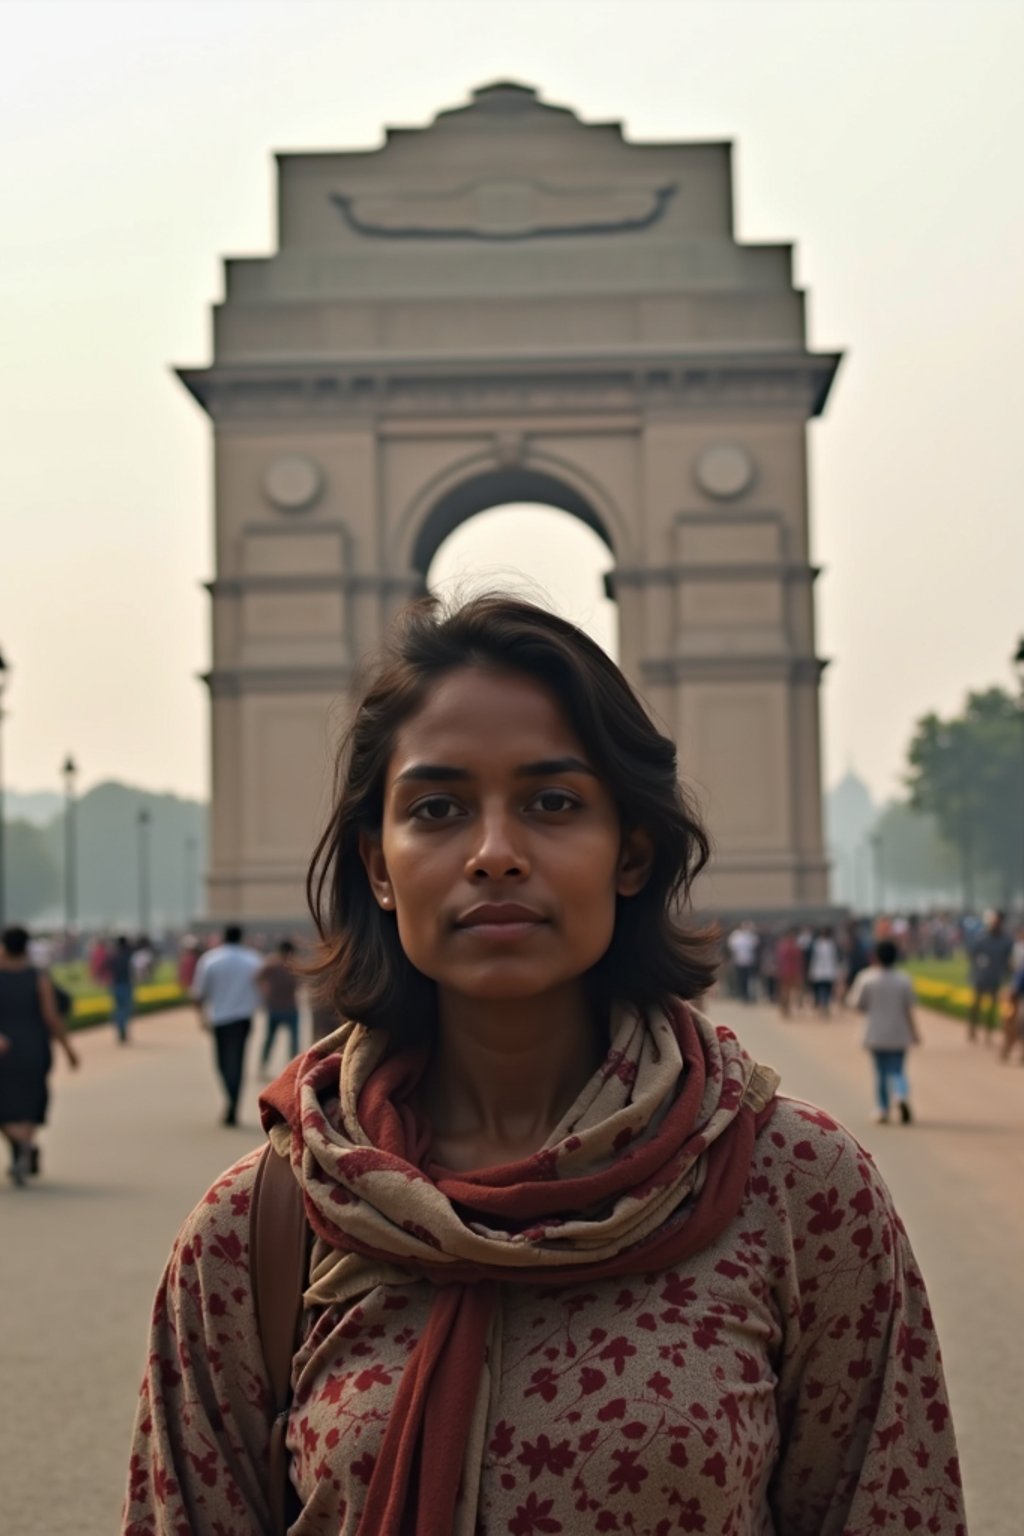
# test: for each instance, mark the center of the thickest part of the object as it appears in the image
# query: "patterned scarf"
(647, 1167)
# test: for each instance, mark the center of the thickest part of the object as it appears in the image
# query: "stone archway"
(494, 488)
(512, 304)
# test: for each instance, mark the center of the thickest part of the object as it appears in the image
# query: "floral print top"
(786, 1381)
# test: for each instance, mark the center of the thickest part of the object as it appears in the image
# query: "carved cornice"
(645, 379)
(728, 668)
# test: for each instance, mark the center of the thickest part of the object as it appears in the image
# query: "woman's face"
(501, 851)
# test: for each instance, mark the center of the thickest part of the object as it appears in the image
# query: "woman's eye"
(438, 808)
(556, 800)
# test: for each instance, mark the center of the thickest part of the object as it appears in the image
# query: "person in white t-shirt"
(743, 947)
(225, 990)
(886, 995)
(823, 969)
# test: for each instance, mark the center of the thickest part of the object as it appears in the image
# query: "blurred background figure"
(743, 947)
(279, 988)
(99, 960)
(120, 977)
(29, 1022)
(990, 955)
(823, 969)
(143, 960)
(789, 969)
(188, 959)
(886, 995)
(224, 988)
(855, 954)
(1013, 1014)
(767, 965)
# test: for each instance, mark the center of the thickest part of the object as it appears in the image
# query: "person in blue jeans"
(886, 995)
(122, 989)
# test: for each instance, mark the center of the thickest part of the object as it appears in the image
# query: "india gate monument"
(512, 305)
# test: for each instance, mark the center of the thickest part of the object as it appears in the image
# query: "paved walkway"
(134, 1142)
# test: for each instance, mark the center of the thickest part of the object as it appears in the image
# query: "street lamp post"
(143, 822)
(3, 867)
(1018, 666)
(69, 770)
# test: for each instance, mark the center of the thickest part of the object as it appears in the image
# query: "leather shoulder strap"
(278, 1240)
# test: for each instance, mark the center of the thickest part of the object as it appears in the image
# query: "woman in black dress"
(29, 1022)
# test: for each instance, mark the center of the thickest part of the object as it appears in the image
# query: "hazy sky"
(885, 139)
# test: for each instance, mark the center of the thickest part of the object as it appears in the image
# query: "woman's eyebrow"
(554, 765)
(431, 772)
(444, 773)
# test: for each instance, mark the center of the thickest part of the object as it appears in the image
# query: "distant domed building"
(850, 814)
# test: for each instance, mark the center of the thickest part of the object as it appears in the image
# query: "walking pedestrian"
(823, 969)
(990, 956)
(577, 1265)
(224, 986)
(855, 956)
(279, 988)
(768, 965)
(743, 951)
(188, 959)
(886, 995)
(1013, 1015)
(29, 1022)
(121, 980)
(789, 963)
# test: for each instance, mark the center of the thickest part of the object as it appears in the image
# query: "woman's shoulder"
(216, 1230)
(807, 1162)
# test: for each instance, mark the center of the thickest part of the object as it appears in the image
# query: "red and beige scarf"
(647, 1167)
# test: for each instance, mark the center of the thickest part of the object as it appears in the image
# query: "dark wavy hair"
(362, 971)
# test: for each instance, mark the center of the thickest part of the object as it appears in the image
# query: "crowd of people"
(857, 966)
(230, 983)
(798, 969)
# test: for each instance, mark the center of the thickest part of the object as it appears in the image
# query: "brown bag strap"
(278, 1243)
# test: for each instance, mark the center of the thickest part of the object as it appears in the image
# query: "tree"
(968, 773)
(919, 866)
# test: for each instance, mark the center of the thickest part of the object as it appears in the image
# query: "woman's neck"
(504, 1074)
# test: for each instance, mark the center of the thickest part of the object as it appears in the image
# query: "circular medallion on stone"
(724, 470)
(292, 482)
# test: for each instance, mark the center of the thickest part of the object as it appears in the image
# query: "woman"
(29, 1021)
(789, 963)
(823, 969)
(575, 1265)
(886, 995)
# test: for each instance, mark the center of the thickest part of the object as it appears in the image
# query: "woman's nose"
(498, 852)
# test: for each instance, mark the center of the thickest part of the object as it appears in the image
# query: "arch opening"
(540, 552)
(510, 485)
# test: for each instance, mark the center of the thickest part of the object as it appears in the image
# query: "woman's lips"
(501, 921)
(504, 932)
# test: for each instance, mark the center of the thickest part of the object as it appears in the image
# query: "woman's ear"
(372, 855)
(636, 860)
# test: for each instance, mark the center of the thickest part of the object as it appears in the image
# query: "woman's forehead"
(485, 710)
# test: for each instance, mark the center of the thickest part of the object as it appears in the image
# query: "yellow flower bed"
(86, 1010)
(942, 992)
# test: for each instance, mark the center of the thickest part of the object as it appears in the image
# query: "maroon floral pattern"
(785, 1380)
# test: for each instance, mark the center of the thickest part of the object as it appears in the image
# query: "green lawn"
(75, 978)
(91, 1003)
(954, 971)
